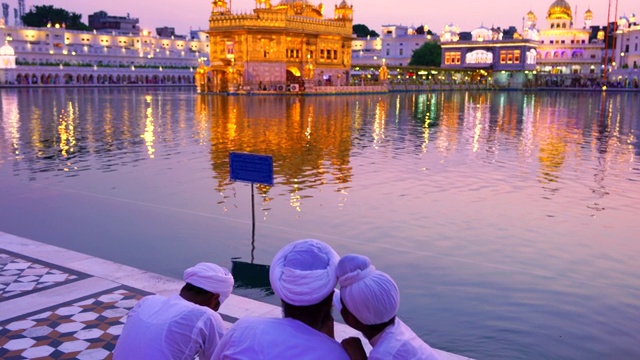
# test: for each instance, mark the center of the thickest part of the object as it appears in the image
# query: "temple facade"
(503, 63)
(290, 46)
(566, 53)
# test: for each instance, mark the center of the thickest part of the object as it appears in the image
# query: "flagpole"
(606, 43)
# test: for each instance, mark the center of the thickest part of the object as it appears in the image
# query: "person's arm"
(353, 347)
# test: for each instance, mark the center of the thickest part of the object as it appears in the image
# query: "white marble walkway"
(59, 304)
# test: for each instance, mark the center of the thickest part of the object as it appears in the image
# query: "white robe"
(399, 342)
(276, 338)
(161, 327)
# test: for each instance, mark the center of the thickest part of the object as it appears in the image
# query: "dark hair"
(315, 315)
(196, 290)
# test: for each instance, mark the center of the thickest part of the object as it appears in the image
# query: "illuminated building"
(395, 46)
(288, 46)
(565, 53)
(626, 70)
(504, 62)
(55, 55)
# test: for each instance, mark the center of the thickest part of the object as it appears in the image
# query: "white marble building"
(55, 55)
(626, 55)
(395, 45)
(565, 49)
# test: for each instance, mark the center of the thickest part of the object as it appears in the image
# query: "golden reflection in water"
(109, 131)
(66, 132)
(447, 138)
(310, 144)
(201, 120)
(380, 120)
(556, 141)
(11, 122)
(35, 127)
(430, 111)
(148, 135)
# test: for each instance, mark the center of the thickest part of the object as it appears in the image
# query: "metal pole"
(606, 44)
(253, 224)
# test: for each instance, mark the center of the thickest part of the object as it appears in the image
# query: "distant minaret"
(16, 20)
(21, 11)
(5, 13)
(588, 18)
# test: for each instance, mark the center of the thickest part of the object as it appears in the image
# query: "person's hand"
(353, 347)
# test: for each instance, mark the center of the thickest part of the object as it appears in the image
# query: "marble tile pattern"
(21, 275)
(82, 329)
(60, 304)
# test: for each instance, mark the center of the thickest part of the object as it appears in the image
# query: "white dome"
(7, 50)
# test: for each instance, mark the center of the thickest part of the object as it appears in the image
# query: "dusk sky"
(467, 14)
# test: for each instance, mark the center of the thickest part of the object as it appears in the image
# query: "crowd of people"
(304, 275)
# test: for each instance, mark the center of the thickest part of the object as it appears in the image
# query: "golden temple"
(290, 46)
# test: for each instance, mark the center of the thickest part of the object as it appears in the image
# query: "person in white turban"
(303, 275)
(181, 326)
(369, 300)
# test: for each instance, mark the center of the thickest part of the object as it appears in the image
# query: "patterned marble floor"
(60, 304)
(21, 275)
(83, 329)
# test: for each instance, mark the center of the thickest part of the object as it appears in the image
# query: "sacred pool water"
(508, 219)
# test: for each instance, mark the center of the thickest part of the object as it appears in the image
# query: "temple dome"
(7, 50)
(559, 10)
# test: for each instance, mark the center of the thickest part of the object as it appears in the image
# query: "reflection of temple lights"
(378, 125)
(66, 131)
(148, 129)
(11, 121)
(307, 131)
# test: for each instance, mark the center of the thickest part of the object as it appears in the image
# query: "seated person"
(181, 326)
(303, 275)
(369, 301)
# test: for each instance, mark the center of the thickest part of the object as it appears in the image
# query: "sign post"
(251, 168)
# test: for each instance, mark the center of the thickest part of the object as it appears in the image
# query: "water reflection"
(312, 139)
(11, 124)
(517, 203)
(310, 142)
(148, 128)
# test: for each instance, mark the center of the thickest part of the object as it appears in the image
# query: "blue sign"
(251, 168)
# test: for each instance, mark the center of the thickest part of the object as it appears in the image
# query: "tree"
(429, 54)
(363, 31)
(43, 15)
(420, 31)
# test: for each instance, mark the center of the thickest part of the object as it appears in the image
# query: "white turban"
(210, 277)
(304, 272)
(370, 295)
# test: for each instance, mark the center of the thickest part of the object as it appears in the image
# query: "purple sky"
(468, 15)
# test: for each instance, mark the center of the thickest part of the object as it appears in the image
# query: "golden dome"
(588, 15)
(559, 10)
